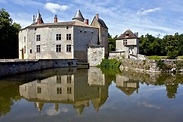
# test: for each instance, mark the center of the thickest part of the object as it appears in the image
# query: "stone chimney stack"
(55, 19)
(87, 21)
(34, 18)
(39, 21)
(97, 16)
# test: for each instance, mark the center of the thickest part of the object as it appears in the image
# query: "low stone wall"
(168, 65)
(140, 65)
(15, 66)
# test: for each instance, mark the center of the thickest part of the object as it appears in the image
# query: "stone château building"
(62, 40)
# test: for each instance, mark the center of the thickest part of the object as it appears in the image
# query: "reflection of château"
(126, 85)
(77, 89)
(128, 82)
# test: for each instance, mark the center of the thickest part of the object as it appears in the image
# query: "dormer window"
(127, 34)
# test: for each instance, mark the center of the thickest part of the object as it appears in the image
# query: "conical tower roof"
(78, 16)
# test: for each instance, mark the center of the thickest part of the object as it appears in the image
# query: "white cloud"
(53, 7)
(147, 105)
(145, 12)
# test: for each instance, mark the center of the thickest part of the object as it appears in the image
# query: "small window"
(124, 42)
(69, 90)
(24, 39)
(68, 37)
(69, 79)
(59, 81)
(38, 90)
(35, 28)
(38, 37)
(38, 81)
(80, 31)
(58, 36)
(38, 48)
(68, 48)
(58, 48)
(30, 50)
(67, 27)
(59, 90)
(85, 31)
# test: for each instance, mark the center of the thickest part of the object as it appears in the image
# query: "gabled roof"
(78, 16)
(102, 23)
(127, 90)
(128, 34)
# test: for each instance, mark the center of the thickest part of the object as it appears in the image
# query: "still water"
(91, 95)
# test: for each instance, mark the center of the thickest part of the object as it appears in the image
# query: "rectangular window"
(38, 37)
(59, 79)
(69, 79)
(38, 90)
(30, 50)
(69, 90)
(58, 36)
(68, 36)
(68, 48)
(58, 48)
(38, 50)
(24, 39)
(59, 90)
(124, 42)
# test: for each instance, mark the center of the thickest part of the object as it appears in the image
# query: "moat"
(93, 95)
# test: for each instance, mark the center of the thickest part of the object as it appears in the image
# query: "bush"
(110, 63)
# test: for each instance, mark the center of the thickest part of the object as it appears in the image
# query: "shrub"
(110, 63)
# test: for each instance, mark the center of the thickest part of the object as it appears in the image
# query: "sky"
(155, 17)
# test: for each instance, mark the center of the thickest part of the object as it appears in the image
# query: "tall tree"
(8, 36)
(172, 45)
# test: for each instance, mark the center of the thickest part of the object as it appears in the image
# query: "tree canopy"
(8, 36)
(169, 45)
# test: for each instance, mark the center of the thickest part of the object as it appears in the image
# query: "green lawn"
(161, 57)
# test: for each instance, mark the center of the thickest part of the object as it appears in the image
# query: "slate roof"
(128, 34)
(69, 23)
(102, 23)
(78, 16)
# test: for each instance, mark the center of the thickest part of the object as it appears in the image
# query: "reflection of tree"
(171, 90)
(9, 93)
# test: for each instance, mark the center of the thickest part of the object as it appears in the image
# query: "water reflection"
(75, 89)
(84, 88)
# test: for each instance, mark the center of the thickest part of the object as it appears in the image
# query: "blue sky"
(142, 16)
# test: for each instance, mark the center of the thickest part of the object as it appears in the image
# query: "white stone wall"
(95, 55)
(47, 43)
(96, 77)
(132, 47)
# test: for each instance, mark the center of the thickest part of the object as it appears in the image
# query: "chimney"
(39, 21)
(97, 16)
(34, 18)
(55, 19)
(87, 21)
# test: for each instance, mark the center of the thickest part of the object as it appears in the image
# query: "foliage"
(169, 45)
(111, 43)
(8, 36)
(110, 63)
